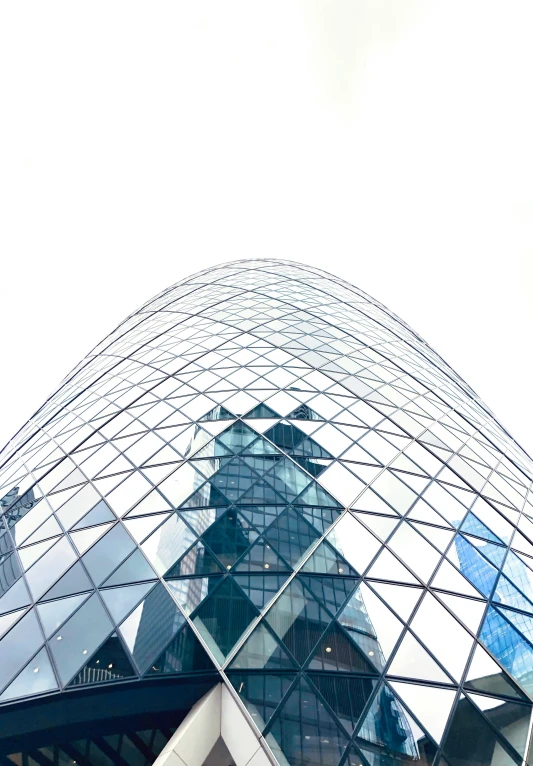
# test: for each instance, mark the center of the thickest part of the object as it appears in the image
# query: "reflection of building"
(213, 523)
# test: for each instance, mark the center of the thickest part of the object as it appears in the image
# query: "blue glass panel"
(509, 647)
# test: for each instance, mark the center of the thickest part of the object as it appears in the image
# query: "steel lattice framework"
(265, 475)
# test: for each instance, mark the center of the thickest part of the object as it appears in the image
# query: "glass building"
(263, 522)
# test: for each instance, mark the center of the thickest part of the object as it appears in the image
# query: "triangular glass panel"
(485, 675)
(298, 620)
(198, 560)
(237, 437)
(440, 538)
(109, 663)
(134, 569)
(261, 447)
(260, 557)
(287, 479)
(474, 526)
(303, 412)
(142, 526)
(152, 503)
(84, 538)
(448, 578)
(98, 515)
(509, 647)
(50, 528)
(16, 597)
(304, 732)
(330, 591)
(507, 594)
(260, 588)
(510, 719)
(78, 638)
(120, 601)
(184, 654)
(208, 495)
(336, 653)
(262, 493)
(74, 581)
(261, 516)
(29, 555)
(158, 608)
(411, 660)
(401, 598)
(217, 413)
(315, 495)
(7, 620)
(388, 567)
(522, 622)
(467, 610)
(326, 560)
(36, 678)
(371, 625)
(430, 704)
(291, 535)
(262, 411)
(285, 436)
(347, 697)
(262, 651)
(54, 613)
(261, 693)
(214, 449)
(470, 740)
(189, 592)
(229, 537)
(223, 617)
(320, 518)
(382, 526)
(388, 726)
(421, 511)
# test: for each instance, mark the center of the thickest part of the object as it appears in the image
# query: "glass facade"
(264, 478)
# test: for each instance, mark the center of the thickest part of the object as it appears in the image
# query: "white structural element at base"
(215, 720)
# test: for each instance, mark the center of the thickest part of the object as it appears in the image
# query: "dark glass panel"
(184, 654)
(291, 535)
(330, 591)
(261, 411)
(198, 560)
(336, 652)
(109, 663)
(224, 616)
(346, 696)
(305, 732)
(218, 413)
(471, 741)
(392, 734)
(261, 693)
(260, 588)
(229, 537)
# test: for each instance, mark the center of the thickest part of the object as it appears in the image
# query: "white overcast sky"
(387, 141)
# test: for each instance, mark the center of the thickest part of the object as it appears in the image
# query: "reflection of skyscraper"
(506, 632)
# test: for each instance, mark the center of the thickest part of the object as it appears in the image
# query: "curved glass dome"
(264, 482)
